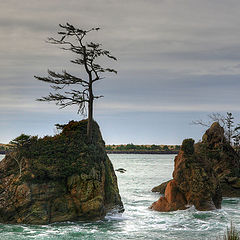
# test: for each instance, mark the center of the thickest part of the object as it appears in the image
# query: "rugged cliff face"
(203, 173)
(63, 178)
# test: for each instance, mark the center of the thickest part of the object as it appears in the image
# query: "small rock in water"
(121, 170)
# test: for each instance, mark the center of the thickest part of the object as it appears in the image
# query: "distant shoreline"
(129, 152)
(140, 152)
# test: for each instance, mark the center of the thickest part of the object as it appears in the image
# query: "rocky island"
(203, 173)
(60, 178)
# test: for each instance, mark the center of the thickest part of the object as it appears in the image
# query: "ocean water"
(138, 222)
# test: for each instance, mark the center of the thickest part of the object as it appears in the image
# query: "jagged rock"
(63, 179)
(204, 173)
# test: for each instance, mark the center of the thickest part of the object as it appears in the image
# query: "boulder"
(63, 178)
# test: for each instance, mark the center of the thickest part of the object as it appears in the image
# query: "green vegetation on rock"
(188, 146)
(65, 154)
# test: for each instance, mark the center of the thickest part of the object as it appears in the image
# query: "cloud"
(176, 56)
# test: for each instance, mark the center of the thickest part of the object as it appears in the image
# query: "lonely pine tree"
(74, 90)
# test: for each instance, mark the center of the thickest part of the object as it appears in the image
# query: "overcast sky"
(178, 60)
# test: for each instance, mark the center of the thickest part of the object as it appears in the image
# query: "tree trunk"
(90, 120)
(90, 112)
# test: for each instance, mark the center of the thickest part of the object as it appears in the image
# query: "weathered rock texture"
(63, 179)
(203, 173)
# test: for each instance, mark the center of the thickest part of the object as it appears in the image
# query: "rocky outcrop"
(63, 178)
(203, 173)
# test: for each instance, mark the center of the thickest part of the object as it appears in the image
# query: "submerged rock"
(203, 173)
(63, 179)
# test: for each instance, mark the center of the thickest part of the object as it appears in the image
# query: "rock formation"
(203, 173)
(63, 178)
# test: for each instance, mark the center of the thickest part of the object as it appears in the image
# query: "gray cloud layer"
(174, 55)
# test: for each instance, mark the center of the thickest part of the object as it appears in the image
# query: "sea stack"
(203, 173)
(63, 178)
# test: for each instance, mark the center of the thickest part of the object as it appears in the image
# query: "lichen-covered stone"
(63, 179)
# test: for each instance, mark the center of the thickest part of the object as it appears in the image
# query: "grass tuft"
(231, 234)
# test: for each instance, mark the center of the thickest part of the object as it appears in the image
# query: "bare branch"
(201, 123)
(96, 97)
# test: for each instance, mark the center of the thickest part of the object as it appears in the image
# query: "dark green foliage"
(155, 147)
(130, 146)
(188, 146)
(109, 147)
(20, 141)
(66, 153)
(138, 148)
(165, 148)
(2, 148)
(177, 147)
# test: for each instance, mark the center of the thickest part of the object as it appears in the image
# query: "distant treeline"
(150, 149)
(127, 148)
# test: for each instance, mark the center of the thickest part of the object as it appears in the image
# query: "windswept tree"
(17, 146)
(236, 138)
(229, 123)
(69, 89)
